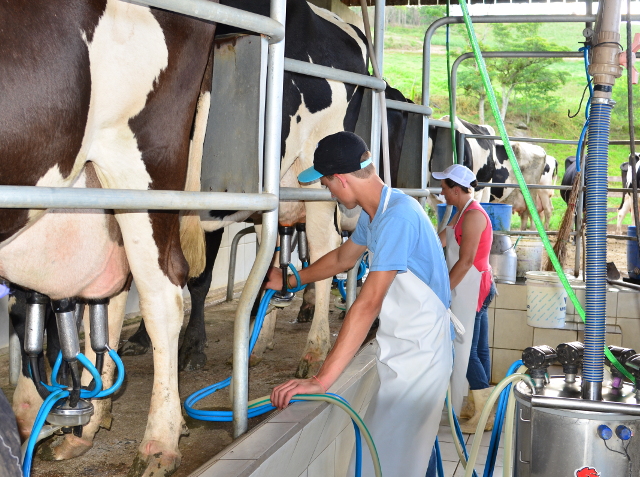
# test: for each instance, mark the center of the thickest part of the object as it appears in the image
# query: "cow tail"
(191, 232)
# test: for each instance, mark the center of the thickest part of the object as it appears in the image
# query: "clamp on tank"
(633, 365)
(74, 412)
(570, 357)
(284, 297)
(538, 359)
(622, 355)
(34, 336)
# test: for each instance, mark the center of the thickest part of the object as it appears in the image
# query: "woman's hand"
(273, 280)
(281, 395)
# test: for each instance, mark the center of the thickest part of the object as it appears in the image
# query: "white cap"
(457, 173)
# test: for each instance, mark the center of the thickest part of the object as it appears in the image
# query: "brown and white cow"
(532, 160)
(102, 93)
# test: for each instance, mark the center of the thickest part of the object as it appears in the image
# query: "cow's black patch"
(500, 176)
(485, 144)
(298, 118)
(221, 214)
(546, 169)
(501, 154)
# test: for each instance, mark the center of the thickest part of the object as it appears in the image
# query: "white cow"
(627, 201)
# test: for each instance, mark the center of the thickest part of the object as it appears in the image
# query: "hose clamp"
(607, 101)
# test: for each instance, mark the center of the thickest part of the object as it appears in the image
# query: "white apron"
(464, 303)
(414, 365)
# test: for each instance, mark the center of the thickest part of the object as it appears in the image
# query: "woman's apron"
(414, 366)
(464, 303)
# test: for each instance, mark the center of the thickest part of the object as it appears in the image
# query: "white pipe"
(327, 72)
(214, 12)
(272, 158)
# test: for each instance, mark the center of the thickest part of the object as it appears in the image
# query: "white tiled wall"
(311, 439)
(510, 334)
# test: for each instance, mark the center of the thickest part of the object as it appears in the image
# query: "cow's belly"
(66, 254)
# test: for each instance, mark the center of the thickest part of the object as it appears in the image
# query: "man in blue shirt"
(407, 287)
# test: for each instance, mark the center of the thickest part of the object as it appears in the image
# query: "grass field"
(403, 70)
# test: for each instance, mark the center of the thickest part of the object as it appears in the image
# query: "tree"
(470, 82)
(524, 76)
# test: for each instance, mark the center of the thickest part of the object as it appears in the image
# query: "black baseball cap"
(339, 153)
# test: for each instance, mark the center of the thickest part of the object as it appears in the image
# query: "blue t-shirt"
(403, 238)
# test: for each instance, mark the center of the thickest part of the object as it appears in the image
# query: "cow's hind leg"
(191, 354)
(137, 344)
(308, 307)
(322, 239)
(70, 445)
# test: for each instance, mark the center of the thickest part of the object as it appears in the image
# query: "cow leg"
(152, 243)
(308, 307)
(191, 354)
(622, 213)
(322, 239)
(137, 344)
(70, 445)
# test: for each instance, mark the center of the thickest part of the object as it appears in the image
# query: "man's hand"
(281, 395)
(273, 280)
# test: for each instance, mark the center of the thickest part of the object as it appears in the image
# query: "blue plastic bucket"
(441, 210)
(633, 257)
(499, 214)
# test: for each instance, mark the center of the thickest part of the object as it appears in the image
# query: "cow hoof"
(254, 360)
(307, 367)
(191, 359)
(156, 465)
(64, 447)
(131, 348)
(305, 315)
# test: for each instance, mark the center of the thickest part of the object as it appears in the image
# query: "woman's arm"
(473, 225)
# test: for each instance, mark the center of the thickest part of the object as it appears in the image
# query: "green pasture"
(403, 70)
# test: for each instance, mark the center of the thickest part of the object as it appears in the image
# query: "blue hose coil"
(596, 241)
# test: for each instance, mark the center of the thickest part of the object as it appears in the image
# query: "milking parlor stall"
(90, 400)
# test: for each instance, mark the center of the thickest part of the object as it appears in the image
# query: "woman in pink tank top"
(470, 277)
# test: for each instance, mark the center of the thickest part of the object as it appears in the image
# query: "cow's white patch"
(127, 55)
(348, 29)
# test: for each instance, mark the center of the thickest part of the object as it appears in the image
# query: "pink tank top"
(481, 262)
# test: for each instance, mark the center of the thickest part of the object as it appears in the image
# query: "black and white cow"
(103, 93)
(479, 153)
(312, 109)
(626, 206)
(568, 177)
(533, 162)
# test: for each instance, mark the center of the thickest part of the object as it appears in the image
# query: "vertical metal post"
(233, 255)
(460, 146)
(352, 283)
(272, 158)
(376, 118)
(15, 356)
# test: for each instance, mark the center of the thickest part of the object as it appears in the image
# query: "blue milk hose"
(263, 406)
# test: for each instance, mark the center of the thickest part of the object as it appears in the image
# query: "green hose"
(522, 183)
(346, 408)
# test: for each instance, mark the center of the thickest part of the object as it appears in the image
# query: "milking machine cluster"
(559, 432)
(66, 407)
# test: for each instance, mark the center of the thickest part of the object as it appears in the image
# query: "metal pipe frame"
(32, 197)
(319, 71)
(410, 107)
(233, 254)
(298, 194)
(426, 47)
(376, 114)
(272, 155)
(352, 284)
(615, 142)
(214, 12)
(506, 54)
(549, 402)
